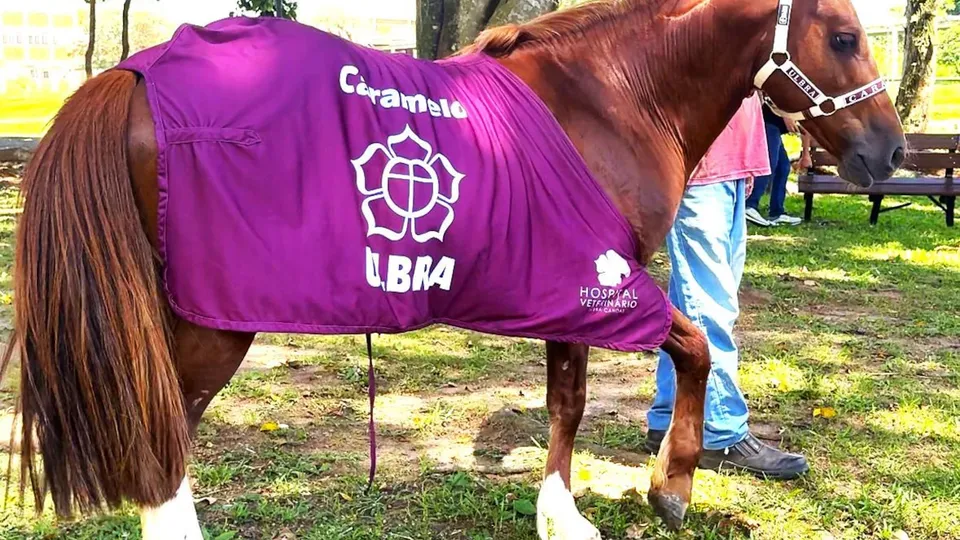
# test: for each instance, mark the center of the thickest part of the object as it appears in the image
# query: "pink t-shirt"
(740, 151)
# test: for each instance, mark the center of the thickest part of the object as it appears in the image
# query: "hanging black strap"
(372, 387)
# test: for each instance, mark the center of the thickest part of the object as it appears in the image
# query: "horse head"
(818, 62)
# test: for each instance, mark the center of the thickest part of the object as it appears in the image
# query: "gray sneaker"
(784, 219)
(753, 216)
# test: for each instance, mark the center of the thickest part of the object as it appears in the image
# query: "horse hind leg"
(206, 361)
(557, 514)
(672, 481)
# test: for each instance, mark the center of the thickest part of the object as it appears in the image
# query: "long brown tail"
(99, 394)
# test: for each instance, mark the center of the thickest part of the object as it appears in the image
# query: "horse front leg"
(557, 514)
(672, 481)
(206, 361)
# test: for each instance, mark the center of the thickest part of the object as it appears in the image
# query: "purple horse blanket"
(311, 185)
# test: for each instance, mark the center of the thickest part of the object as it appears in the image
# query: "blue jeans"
(707, 248)
(777, 180)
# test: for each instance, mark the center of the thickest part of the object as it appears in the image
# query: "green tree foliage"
(268, 8)
(949, 54)
(949, 38)
(145, 30)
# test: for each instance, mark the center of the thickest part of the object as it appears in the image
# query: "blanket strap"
(372, 386)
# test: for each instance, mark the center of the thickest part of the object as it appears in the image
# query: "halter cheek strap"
(823, 105)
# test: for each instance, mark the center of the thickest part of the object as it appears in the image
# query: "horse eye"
(844, 42)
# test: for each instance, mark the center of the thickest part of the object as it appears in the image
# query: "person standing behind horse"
(707, 248)
(776, 128)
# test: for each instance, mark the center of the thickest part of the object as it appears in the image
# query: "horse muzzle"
(873, 160)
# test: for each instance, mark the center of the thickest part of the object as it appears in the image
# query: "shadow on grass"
(846, 253)
(416, 361)
(304, 483)
(844, 218)
(271, 490)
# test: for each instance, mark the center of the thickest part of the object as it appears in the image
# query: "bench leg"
(807, 206)
(877, 200)
(949, 205)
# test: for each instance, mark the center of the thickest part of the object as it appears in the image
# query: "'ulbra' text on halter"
(351, 82)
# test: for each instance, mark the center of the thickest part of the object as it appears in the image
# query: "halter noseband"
(794, 73)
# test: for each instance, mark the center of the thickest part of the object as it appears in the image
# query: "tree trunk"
(88, 58)
(125, 33)
(445, 26)
(518, 11)
(915, 96)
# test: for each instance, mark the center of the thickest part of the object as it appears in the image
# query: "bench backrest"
(926, 152)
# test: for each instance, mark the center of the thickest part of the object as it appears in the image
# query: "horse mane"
(503, 40)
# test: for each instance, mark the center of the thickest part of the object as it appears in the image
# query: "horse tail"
(100, 399)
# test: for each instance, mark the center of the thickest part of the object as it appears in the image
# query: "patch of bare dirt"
(750, 297)
(11, 171)
(489, 426)
(265, 357)
(772, 433)
(848, 314)
(889, 294)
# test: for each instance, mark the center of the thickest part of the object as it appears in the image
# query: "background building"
(43, 41)
(37, 41)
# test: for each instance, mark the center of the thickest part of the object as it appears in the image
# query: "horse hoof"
(557, 514)
(670, 507)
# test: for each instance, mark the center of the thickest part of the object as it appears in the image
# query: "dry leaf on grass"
(824, 412)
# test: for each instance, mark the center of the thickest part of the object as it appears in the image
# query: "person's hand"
(749, 186)
(805, 162)
(792, 126)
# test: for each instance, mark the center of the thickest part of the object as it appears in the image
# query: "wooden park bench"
(17, 149)
(932, 157)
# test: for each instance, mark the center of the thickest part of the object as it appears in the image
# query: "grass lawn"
(946, 99)
(28, 115)
(851, 355)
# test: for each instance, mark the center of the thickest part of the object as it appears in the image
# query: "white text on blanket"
(351, 82)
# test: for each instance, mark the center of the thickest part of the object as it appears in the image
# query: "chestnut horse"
(113, 386)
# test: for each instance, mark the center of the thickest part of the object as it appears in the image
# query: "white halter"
(794, 74)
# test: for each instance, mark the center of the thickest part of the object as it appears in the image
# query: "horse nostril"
(898, 157)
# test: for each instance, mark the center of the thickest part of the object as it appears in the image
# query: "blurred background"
(44, 43)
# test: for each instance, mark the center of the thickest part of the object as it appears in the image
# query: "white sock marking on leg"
(176, 519)
(557, 514)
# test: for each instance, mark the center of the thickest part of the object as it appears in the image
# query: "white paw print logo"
(413, 188)
(612, 269)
